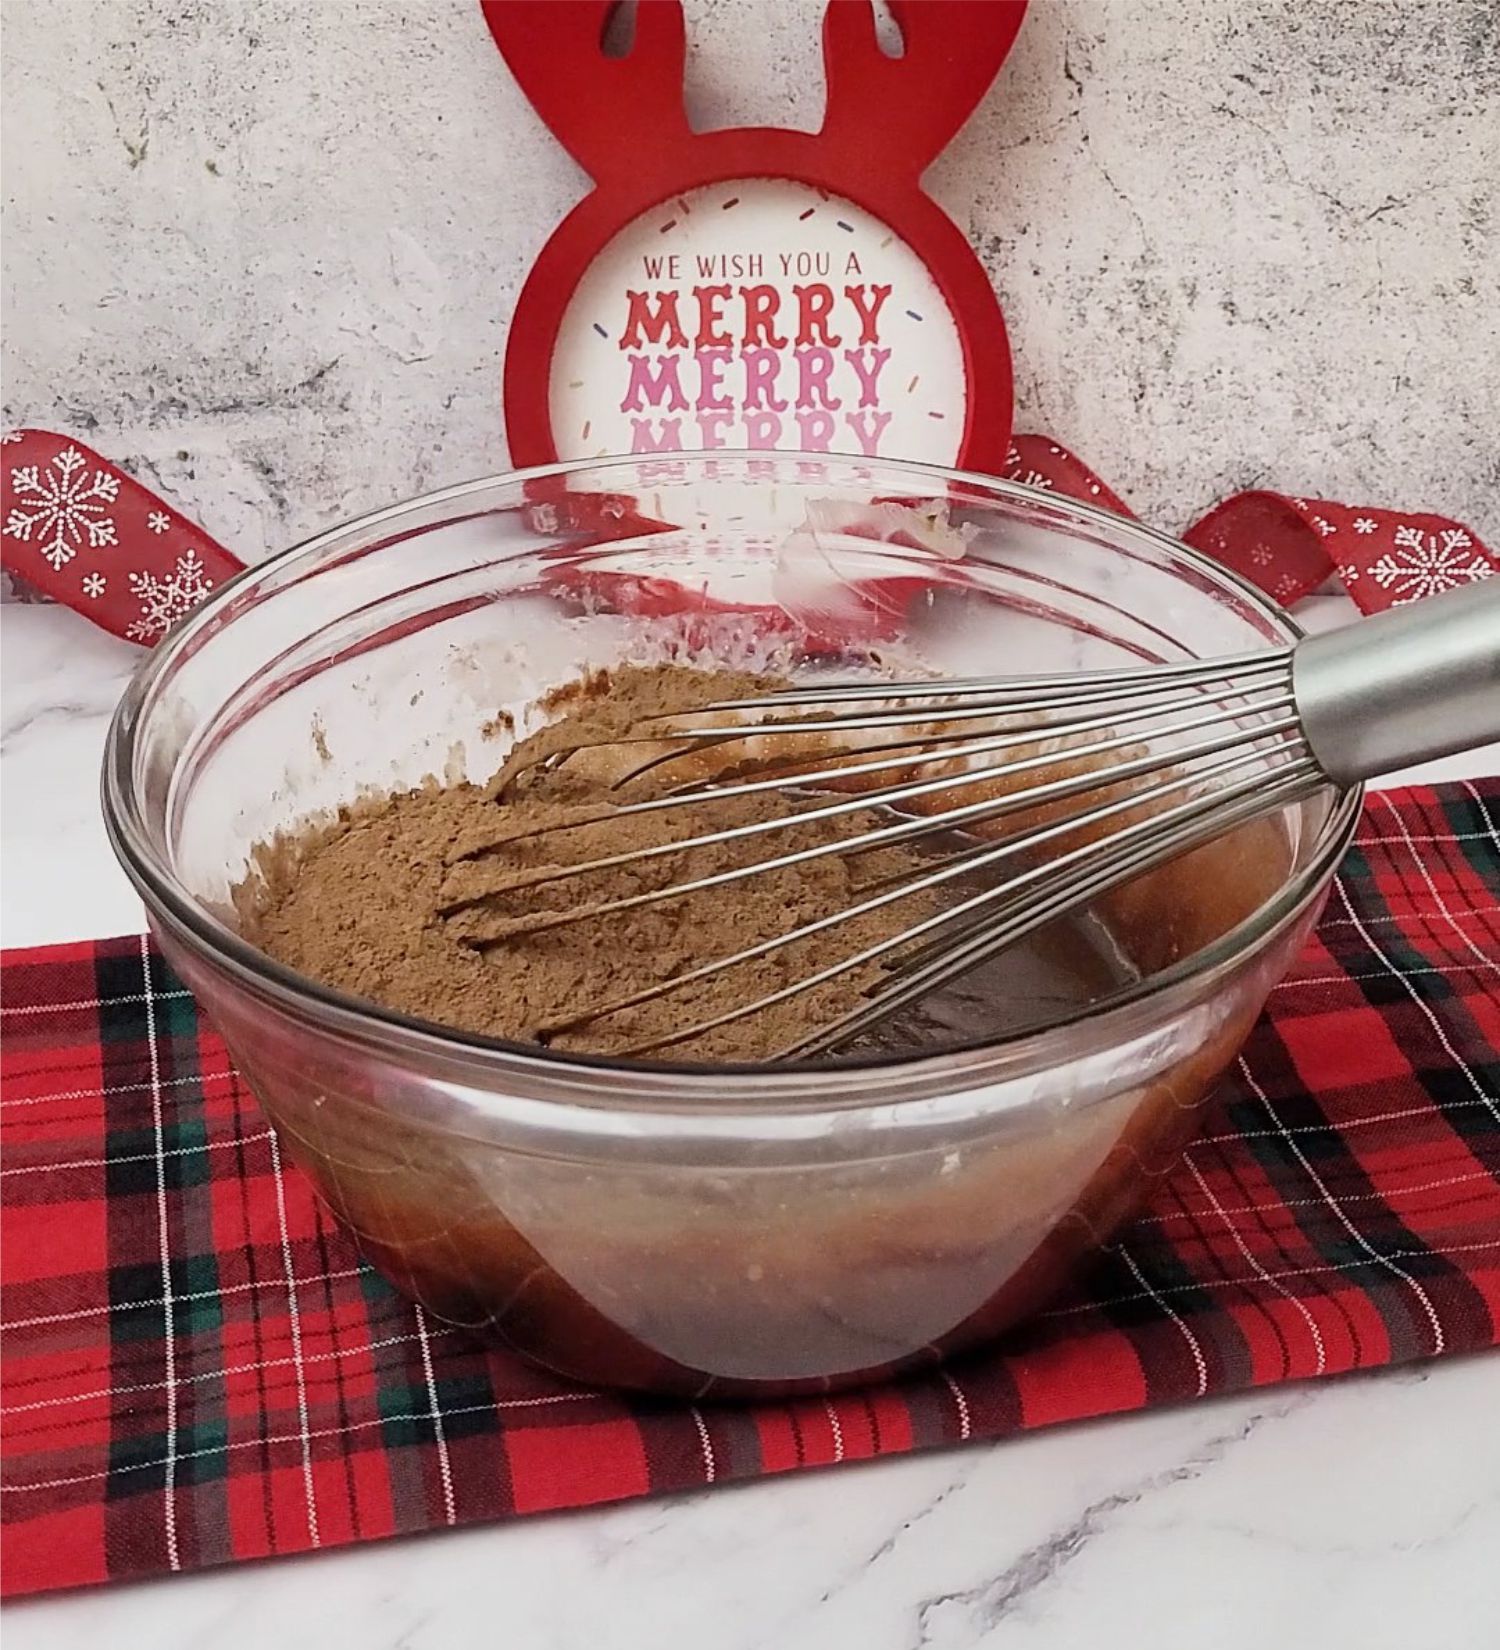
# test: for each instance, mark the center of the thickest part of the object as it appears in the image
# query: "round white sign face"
(761, 314)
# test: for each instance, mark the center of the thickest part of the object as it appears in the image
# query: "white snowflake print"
(1012, 458)
(157, 522)
(63, 505)
(165, 600)
(1301, 503)
(1033, 478)
(93, 586)
(10, 436)
(1349, 573)
(1261, 556)
(1424, 564)
(1325, 528)
(1286, 586)
(1363, 524)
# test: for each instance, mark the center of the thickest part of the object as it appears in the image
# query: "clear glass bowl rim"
(698, 1087)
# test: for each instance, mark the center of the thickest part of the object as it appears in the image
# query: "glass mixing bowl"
(726, 1230)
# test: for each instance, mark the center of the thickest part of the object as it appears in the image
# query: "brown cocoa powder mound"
(415, 901)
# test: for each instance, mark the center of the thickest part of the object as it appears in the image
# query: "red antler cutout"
(589, 101)
(903, 110)
(865, 321)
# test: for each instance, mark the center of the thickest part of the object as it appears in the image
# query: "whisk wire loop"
(1024, 890)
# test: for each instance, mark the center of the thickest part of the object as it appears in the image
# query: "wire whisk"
(1034, 796)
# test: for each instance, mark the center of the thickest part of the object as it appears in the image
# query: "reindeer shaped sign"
(757, 288)
(752, 288)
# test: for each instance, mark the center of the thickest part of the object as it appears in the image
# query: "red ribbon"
(76, 528)
(1290, 547)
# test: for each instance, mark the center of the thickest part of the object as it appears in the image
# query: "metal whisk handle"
(1405, 686)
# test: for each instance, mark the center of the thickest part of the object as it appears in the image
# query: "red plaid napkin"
(196, 1368)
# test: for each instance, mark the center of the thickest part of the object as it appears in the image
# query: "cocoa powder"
(426, 901)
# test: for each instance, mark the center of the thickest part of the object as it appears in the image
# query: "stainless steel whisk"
(1142, 763)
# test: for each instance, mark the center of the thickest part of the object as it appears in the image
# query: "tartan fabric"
(197, 1370)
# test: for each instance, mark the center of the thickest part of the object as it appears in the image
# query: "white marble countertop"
(1363, 1513)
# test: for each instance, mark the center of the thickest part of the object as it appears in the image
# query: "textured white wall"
(264, 251)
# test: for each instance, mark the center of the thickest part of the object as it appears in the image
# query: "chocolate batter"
(424, 901)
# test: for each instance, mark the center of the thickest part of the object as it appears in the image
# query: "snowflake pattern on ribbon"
(82, 531)
(65, 506)
(166, 598)
(1425, 564)
(1284, 543)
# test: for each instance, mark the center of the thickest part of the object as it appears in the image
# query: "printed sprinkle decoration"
(77, 528)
